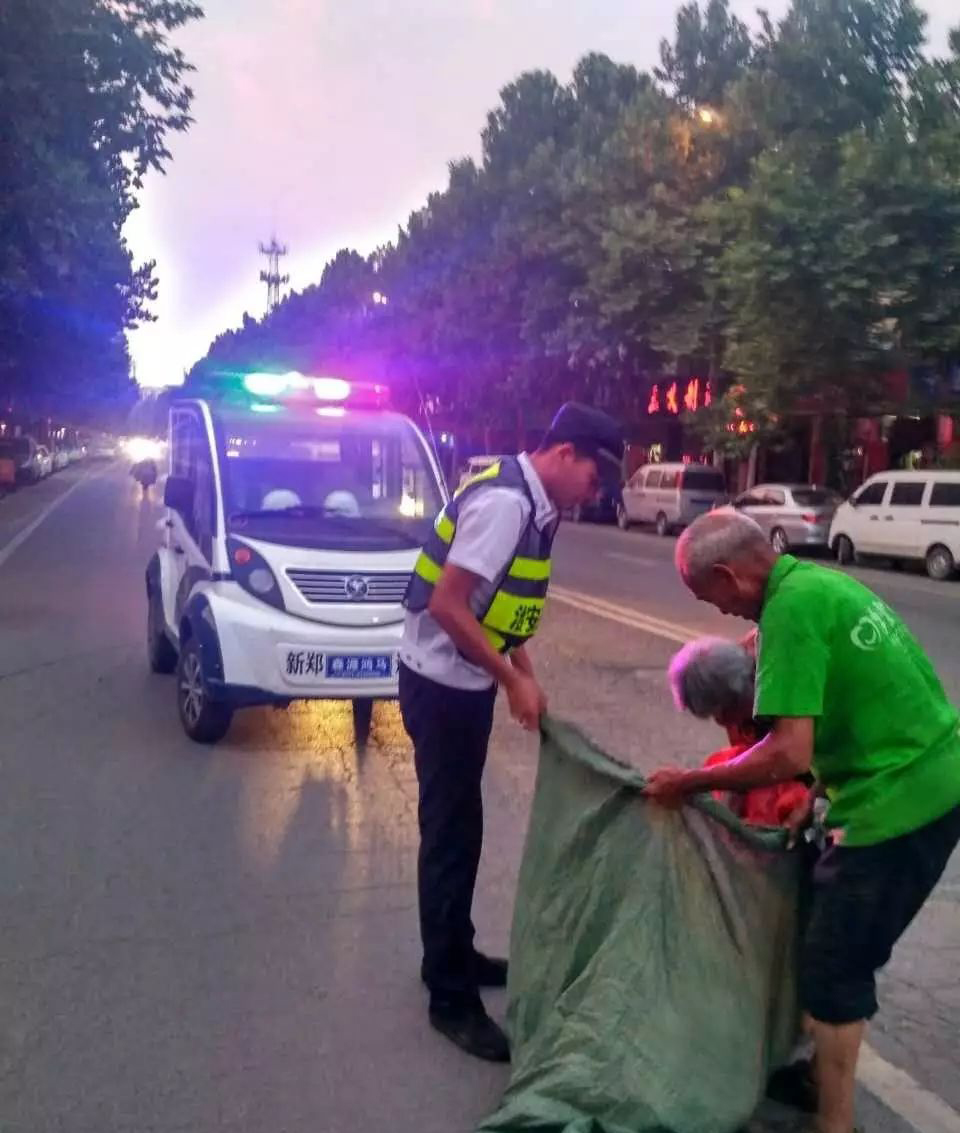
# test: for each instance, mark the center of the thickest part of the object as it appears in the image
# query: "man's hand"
(527, 701)
(799, 819)
(520, 659)
(668, 786)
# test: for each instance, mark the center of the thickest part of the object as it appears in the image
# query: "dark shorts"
(863, 898)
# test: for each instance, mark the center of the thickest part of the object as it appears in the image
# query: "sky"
(326, 123)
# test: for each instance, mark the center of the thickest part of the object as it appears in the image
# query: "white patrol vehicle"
(296, 508)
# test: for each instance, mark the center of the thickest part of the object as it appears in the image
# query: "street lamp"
(708, 116)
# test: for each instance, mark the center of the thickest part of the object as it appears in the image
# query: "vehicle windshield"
(815, 497)
(353, 482)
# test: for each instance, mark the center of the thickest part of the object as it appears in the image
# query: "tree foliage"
(89, 93)
(778, 212)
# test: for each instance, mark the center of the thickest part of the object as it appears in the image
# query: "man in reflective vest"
(476, 597)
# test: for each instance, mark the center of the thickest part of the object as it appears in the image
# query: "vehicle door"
(667, 497)
(901, 530)
(632, 491)
(941, 518)
(191, 512)
(867, 519)
(649, 495)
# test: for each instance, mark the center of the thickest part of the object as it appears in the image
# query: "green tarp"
(651, 959)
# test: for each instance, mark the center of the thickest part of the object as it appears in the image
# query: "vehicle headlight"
(253, 573)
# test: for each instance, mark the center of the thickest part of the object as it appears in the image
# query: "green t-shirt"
(886, 739)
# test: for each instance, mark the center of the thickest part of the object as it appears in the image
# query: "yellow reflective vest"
(516, 604)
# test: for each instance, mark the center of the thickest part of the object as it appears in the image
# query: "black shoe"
(490, 971)
(794, 1086)
(471, 1029)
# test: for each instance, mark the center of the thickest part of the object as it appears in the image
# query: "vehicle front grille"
(320, 586)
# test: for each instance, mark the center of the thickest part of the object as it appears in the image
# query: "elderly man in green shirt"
(851, 696)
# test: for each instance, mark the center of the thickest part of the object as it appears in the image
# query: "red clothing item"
(763, 806)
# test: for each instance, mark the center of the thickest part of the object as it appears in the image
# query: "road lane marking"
(898, 1091)
(22, 536)
(625, 615)
(924, 1110)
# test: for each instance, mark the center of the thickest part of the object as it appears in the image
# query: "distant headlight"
(143, 448)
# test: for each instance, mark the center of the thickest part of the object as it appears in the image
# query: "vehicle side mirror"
(853, 501)
(178, 494)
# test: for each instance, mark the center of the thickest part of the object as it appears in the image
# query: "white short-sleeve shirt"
(489, 527)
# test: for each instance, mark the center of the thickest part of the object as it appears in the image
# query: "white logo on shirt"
(874, 628)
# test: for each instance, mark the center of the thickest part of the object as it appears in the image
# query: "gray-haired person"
(850, 695)
(713, 679)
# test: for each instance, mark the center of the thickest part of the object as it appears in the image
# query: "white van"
(296, 508)
(670, 495)
(475, 465)
(903, 515)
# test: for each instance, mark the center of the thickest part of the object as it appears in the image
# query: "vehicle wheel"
(663, 526)
(844, 550)
(362, 715)
(623, 520)
(161, 655)
(779, 540)
(204, 720)
(940, 563)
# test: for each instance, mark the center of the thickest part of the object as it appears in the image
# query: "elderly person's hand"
(669, 785)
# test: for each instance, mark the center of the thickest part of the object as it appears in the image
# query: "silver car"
(792, 515)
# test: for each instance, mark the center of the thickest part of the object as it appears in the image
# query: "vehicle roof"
(916, 474)
(220, 410)
(792, 487)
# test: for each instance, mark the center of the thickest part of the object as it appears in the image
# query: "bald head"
(725, 559)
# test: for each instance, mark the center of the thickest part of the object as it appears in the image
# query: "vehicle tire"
(623, 520)
(663, 525)
(204, 720)
(161, 655)
(940, 563)
(844, 550)
(779, 541)
(362, 716)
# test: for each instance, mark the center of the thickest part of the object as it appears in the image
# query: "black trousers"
(450, 729)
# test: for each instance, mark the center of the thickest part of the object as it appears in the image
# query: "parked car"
(604, 509)
(903, 516)
(44, 462)
(670, 495)
(61, 459)
(792, 515)
(475, 465)
(24, 452)
(103, 448)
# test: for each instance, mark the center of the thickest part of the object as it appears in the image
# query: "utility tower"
(272, 277)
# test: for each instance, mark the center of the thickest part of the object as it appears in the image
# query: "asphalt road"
(226, 940)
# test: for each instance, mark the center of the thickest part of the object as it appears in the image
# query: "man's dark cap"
(594, 433)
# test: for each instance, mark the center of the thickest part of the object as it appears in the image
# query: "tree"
(89, 91)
